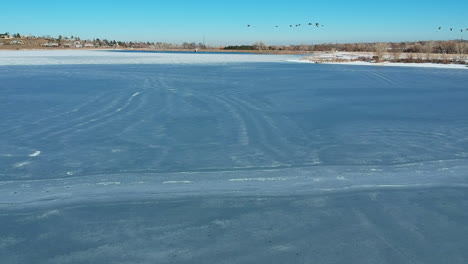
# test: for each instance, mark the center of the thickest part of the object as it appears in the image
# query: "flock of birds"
(451, 29)
(298, 25)
(319, 25)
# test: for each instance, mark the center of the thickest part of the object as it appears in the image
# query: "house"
(5, 36)
(78, 44)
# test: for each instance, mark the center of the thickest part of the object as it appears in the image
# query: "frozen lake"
(234, 159)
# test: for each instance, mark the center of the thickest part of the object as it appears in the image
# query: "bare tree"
(396, 55)
(380, 49)
(259, 45)
(429, 49)
(461, 49)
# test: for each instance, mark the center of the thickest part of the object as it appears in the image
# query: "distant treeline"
(442, 47)
(242, 47)
(447, 47)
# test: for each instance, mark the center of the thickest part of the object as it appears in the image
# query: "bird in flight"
(317, 25)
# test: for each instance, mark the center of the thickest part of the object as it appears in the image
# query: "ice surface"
(57, 57)
(398, 226)
(61, 57)
(253, 161)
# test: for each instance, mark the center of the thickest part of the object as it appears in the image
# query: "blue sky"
(224, 22)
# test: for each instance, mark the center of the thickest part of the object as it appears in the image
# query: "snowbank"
(420, 65)
(346, 58)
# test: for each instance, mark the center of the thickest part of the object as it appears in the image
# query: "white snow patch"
(116, 150)
(259, 179)
(177, 182)
(222, 223)
(391, 64)
(35, 154)
(328, 57)
(21, 164)
(283, 248)
(108, 183)
(48, 214)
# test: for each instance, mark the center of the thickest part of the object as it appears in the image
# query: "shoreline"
(273, 52)
(390, 64)
(145, 56)
(421, 60)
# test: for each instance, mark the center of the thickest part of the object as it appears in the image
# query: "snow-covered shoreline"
(354, 58)
(391, 64)
(87, 57)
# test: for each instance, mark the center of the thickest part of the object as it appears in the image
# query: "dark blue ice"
(233, 163)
